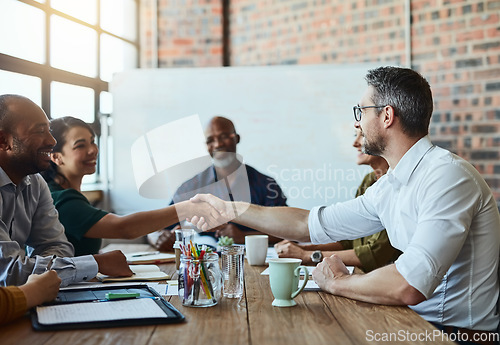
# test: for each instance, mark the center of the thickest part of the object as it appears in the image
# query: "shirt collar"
(409, 162)
(5, 180)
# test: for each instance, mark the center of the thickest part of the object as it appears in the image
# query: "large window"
(62, 53)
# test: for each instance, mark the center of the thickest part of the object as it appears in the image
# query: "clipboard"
(88, 308)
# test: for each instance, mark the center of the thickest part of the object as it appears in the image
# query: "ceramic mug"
(256, 248)
(284, 276)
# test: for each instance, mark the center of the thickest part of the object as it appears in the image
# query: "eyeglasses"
(358, 110)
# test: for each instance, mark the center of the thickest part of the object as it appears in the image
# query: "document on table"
(173, 288)
(271, 254)
(93, 285)
(310, 269)
(138, 308)
(310, 285)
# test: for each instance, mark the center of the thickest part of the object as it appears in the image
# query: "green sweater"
(78, 216)
(373, 251)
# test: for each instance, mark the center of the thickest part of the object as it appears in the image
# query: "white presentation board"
(295, 122)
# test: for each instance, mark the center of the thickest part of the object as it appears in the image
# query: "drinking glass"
(232, 270)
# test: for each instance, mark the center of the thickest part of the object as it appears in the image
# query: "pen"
(144, 254)
(51, 262)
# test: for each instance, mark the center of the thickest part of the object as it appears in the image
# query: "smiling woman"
(75, 153)
(73, 157)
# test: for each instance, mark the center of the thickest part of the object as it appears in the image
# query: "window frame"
(48, 74)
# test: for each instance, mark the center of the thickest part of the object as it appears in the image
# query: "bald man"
(226, 174)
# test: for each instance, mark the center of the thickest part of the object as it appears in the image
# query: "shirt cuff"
(316, 230)
(417, 272)
(86, 268)
(346, 244)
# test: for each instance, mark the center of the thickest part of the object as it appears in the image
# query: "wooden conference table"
(319, 318)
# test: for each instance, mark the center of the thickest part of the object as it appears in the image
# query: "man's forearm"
(283, 222)
(381, 286)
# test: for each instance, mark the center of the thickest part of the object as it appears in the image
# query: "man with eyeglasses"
(436, 207)
(229, 179)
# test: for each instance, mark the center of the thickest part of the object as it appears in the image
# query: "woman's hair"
(59, 128)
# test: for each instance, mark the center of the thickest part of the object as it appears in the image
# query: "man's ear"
(56, 158)
(237, 138)
(4, 140)
(388, 116)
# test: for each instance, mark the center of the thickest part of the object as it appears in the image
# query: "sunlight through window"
(73, 47)
(22, 31)
(72, 100)
(85, 10)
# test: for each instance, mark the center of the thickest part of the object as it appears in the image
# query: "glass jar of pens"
(200, 278)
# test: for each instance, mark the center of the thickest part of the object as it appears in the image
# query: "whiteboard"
(295, 123)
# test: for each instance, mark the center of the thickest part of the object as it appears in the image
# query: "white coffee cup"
(256, 249)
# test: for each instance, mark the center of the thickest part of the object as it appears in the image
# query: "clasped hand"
(211, 212)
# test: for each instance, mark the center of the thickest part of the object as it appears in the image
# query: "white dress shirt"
(441, 214)
(30, 234)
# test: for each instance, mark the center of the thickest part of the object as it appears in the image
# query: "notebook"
(141, 273)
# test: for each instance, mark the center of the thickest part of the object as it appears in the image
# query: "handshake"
(206, 211)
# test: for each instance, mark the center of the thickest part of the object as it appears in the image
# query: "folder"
(89, 308)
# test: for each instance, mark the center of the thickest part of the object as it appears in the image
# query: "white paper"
(271, 254)
(310, 285)
(160, 288)
(91, 285)
(138, 308)
(310, 269)
(173, 288)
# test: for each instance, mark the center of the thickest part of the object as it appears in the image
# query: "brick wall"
(188, 33)
(455, 44)
(314, 32)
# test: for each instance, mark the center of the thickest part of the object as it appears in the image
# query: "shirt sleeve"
(347, 244)
(45, 239)
(12, 304)
(343, 221)
(375, 251)
(76, 213)
(46, 236)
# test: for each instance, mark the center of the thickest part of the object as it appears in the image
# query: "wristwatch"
(316, 256)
